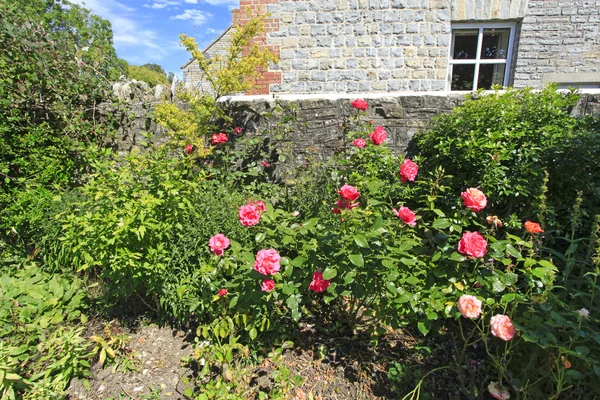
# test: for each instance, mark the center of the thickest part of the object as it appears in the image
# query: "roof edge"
(210, 45)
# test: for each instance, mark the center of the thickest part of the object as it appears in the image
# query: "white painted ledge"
(380, 95)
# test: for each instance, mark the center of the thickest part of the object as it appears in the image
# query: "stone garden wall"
(318, 128)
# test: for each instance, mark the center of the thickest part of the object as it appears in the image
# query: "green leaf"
(260, 237)
(441, 223)
(349, 277)
(356, 259)
(424, 327)
(329, 273)
(298, 261)
(252, 333)
(512, 251)
(507, 298)
(582, 350)
(361, 241)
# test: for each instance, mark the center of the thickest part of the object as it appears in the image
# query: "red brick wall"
(258, 7)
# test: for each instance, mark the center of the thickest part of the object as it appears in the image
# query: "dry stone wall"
(318, 126)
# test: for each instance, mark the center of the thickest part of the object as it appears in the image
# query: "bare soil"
(331, 367)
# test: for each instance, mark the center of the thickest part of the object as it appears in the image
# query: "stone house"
(383, 46)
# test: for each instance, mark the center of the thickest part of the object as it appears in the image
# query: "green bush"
(41, 348)
(48, 124)
(505, 143)
(150, 76)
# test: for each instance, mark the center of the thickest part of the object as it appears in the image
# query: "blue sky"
(146, 31)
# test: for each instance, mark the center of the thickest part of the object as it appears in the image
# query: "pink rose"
(469, 306)
(360, 104)
(318, 284)
(237, 130)
(222, 292)
(218, 244)
(472, 244)
(474, 199)
(189, 148)
(267, 285)
(502, 328)
(497, 393)
(349, 193)
(265, 164)
(343, 205)
(267, 262)
(360, 142)
(378, 136)
(406, 215)
(219, 138)
(260, 205)
(408, 170)
(249, 215)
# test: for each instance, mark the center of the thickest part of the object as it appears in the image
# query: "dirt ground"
(331, 368)
(157, 353)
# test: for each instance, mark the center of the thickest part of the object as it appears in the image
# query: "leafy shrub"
(150, 76)
(48, 96)
(505, 143)
(41, 350)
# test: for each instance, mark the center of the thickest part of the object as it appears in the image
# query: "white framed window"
(480, 55)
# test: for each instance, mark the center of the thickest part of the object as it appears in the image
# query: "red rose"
(267, 262)
(189, 148)
(360, 104)
(249, 215)
(533, 227)
(360, 142)
(222, 292)
(267, 285)
(378, 136)
(408, 170)
(219, 138)
(318, 284)
(474, 199)
(343, 205)
(472, 244)
(406, 215)
(237, 130)
(349, 193)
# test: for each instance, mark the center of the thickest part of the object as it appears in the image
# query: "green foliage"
(41, 350)
(48, 98)
(504, 143)
(121, 227)
(69, 22)
(149, 75)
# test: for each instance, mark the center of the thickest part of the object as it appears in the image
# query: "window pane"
(490, 74)
(462, 77)
(464, 43)
(495, 43)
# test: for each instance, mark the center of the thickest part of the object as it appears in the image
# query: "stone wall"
(559, 42)
(318, 127)
(361, 45)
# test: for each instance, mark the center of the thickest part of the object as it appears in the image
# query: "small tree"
(237, 70)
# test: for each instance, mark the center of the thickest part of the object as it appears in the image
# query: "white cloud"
(191, 1)
(197, 16)
(127, 32)
(158, 4)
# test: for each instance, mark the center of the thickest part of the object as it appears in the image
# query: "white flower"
(296, 213)
(583, 313)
